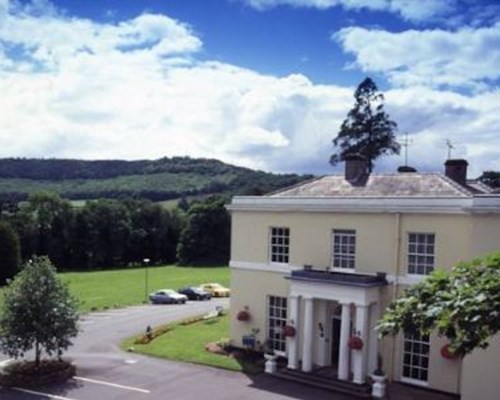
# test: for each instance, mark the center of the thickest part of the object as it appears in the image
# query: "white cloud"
(410, 10)
(463, 58)
(59, 38)
(149, 102)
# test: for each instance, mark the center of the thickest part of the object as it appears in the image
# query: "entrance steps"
(329, 383)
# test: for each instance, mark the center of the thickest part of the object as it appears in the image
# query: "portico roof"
(339, 278)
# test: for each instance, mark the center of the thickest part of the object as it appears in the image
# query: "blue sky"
(259, 83)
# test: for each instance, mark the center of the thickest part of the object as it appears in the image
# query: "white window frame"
(415, 340)
(275, 327)
(348, 233)
(281, 245)
(416, 253)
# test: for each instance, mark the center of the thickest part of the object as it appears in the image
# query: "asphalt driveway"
(105, 372)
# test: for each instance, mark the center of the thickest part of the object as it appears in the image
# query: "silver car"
(167, 296)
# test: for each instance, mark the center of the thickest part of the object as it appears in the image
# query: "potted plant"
(355, 343)
(379, 380)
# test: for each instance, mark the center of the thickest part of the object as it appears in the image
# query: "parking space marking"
(116, 385)
(50, 396)
(4, 363)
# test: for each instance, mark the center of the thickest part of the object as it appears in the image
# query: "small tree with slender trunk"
(367, 130)
(39, 313)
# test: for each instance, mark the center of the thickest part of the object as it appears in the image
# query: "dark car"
(195, 293)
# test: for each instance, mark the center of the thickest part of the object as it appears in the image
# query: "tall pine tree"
(367, 130)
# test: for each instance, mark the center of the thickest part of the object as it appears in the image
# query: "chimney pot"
(457, 170)
(356, 169)
(406, 168)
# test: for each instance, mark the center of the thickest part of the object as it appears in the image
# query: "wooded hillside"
(162, 179)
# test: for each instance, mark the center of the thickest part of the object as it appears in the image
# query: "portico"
(320, 301)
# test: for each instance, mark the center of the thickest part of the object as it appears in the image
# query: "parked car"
(195, 293)
(216, 289)
(167, 296)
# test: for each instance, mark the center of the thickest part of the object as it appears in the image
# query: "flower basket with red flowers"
(243, 315)
(446, 352)
(288, 331)
(355, 343)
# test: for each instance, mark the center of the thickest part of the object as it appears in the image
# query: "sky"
(264, 84)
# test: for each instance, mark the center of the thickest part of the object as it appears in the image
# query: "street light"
(146, 278)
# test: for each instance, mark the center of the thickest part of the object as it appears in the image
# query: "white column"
(307, 335)
(373, 340)
(360, 356)
(292, 342)
(321, 330)
(345, 332)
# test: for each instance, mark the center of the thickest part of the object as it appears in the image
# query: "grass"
(118, 288)
(186, 343)
(99, 290)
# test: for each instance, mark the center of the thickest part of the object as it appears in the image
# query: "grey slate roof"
(387, 185)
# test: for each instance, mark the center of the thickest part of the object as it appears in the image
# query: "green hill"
(162, 179)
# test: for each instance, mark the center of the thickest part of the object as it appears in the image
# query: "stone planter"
(379, 386)
(270, 365)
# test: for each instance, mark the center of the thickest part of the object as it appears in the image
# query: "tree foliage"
(10, 256)
(39, 313)
(491, 178)
(367, 130)
(205, 238)
(462, 305)
(103, 233)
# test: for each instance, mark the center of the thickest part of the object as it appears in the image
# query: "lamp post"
(146, 278)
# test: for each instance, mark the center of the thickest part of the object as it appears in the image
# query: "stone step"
(330, 384)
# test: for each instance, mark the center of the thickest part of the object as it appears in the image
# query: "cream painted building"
(324, 258)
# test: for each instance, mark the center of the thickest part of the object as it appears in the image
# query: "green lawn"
(123, 287)
(187, 344)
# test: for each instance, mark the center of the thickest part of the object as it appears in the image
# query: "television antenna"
(450, 146)
(406, 142)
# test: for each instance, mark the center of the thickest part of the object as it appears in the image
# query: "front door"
(336, 322)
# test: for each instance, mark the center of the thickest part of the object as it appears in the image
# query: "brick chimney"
(356, 169)
(456, 170)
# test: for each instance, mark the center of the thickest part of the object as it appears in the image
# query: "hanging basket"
(355, 343)
(243, 315)
(446, 352)
(288, 331)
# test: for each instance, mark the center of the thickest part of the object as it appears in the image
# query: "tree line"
(110, 233)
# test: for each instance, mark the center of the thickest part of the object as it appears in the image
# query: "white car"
(167, 296)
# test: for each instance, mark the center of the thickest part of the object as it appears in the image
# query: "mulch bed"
(28, 374)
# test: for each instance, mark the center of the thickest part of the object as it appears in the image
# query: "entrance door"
(336, 322)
